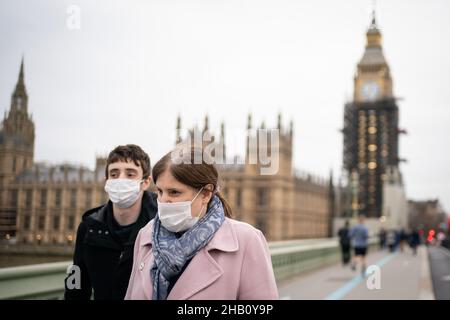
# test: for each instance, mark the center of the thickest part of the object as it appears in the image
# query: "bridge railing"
(291, 258)
(46, 281)
(38, 281)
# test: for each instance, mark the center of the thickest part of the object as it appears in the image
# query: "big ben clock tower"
(371, 128)
(373, 79)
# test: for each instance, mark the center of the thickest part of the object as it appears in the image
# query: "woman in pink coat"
(193, 249)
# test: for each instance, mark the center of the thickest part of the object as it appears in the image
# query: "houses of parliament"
(43, 204)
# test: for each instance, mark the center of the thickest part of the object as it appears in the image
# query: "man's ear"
(147, 182)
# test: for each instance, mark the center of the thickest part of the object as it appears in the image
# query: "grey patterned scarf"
(171, 253)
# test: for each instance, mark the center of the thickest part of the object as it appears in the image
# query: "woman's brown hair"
(192, 168)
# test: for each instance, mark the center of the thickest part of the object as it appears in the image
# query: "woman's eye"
(174, 192)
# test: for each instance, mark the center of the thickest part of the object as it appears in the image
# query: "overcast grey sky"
(134, 65)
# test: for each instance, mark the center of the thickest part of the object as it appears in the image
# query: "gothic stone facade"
(43, 204)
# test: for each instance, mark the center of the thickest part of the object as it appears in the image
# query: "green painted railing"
(291, 258)
(46, 281)
(38, 281)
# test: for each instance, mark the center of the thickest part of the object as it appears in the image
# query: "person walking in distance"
(344, 242)
(359, 235)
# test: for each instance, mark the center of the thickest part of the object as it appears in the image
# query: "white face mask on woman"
(123, 192)
(177, 216)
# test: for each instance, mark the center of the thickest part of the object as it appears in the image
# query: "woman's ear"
(207, 193)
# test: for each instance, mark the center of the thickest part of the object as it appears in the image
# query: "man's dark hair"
(130, 152)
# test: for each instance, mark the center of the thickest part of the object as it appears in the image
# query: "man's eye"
(174, 192)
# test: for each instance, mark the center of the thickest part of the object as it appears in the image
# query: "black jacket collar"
(99, 223)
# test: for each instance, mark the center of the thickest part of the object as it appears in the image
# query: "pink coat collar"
(192, 281)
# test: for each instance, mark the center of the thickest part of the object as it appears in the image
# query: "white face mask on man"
(177, 216)
(123, 192)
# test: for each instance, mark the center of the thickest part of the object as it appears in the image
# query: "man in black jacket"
(103, 255)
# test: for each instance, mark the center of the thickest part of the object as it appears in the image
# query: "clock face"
(370, 90)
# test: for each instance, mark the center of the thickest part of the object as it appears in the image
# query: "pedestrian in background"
(345, 243)
(414, 241)
(391, 240)
(403, 237)
(382, 238)
(360, 236)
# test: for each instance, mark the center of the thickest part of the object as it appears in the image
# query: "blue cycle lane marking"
(349, 286)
